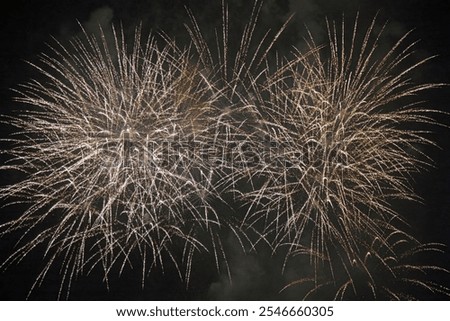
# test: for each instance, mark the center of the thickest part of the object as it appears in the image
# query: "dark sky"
(26, 27)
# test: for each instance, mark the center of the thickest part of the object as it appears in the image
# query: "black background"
(26, 27)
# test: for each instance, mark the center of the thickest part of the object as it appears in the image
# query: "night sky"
(26, 27)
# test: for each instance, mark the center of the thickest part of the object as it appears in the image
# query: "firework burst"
(103, 152)
(341, 147)
(116, 151)
(151, 153)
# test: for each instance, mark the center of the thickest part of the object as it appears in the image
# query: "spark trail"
(152, 154)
